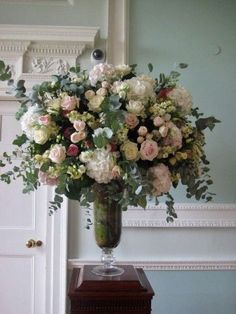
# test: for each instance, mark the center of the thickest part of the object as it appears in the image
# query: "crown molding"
(50, 33)
(190, 215)
(165, 265)
(40, 2)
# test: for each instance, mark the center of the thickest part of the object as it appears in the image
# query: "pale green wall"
(164, 32)
(82, 13)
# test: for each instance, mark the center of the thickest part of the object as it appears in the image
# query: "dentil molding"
(203, 215)
(166, 265)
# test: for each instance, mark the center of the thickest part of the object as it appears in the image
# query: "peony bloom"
(140, 89)
(149, 150)
(182, 99)
(100, 166)
(57, 153)
(45, 120)
(160, 179)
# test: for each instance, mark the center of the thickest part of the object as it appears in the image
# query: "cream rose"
(57, 153)
(79, 125)
(41, 135)
(95, 103)
(130, 150)
(149, 150)
(89, 94)
(160, 179)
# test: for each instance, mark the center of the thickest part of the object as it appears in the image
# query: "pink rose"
(77, 136)
(149, 150)
(142, 131)
(158, 121)
(57, 153)
(79, 125)
(72, 150)
(69, 103)
(131, 120)
(44, 178)
(160, 179)
(45, 120)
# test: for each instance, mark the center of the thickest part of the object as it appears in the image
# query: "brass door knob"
(32, 243)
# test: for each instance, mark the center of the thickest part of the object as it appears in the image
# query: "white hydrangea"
(101, 72)
(100, 165)
(182, 99)
(29, 120)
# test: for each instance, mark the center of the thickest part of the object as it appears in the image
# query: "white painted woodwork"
(34, 278)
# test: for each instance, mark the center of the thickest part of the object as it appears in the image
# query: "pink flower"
(72, 150)
(142, 131)
(174, 137)
(45, 120)
(131, 120)
(160, 179)
(79, 125)
(77, 136)
(69, 103)
(44, 178)
(149, 150)
(158, 121)
(57, 153)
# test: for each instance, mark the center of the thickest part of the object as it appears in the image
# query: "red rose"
(72, 150)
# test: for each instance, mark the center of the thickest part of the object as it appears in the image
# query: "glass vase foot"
(101, 270)
(107, 268)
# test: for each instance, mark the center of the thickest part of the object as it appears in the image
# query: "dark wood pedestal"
(129, 293)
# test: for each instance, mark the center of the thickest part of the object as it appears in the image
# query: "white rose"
(89, 94)
(182, 99)
(41, 136)
(57, 153)
(101, 92)
(135, 106)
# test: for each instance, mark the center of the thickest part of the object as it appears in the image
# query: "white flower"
(85, 156)
(29, 120)
(182, 99)
(57, 153)
(100, 166)
(122, 69)
(107, 132)
(140, 89)
(135, 106)
(161, 179)
(95, 103)
(101, 72)
(101, 91)
(41, 135)
(89, 94)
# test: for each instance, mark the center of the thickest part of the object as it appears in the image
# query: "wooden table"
(129, 293)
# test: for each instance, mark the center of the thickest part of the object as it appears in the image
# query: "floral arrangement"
(133, 134)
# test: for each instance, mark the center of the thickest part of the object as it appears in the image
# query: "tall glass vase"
(107, 230)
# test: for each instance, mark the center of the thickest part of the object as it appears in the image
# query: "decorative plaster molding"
(39, 2)
(35, 52)
(166, 265)
(189, 215)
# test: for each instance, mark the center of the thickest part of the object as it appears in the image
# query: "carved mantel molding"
(36, 52)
